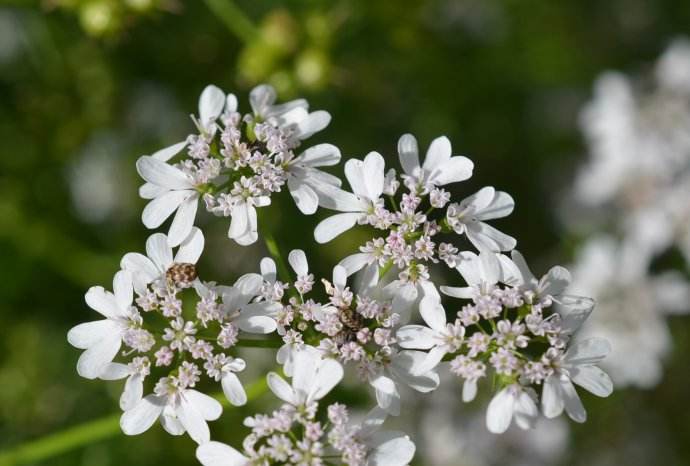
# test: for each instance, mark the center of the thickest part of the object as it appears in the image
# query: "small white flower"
(312, 378)
(440, 167)
(551, 285)
(102, 338)
(469, 217)
(308, 186)
(366, 179)
(512, 402)
(293, 116)
(440, 337)
(401, 369)
(239, 307)
(178, 409)
(135, 372)
(481, 273)
(578, 366)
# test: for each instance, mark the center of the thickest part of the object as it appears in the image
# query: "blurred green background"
(88, 86)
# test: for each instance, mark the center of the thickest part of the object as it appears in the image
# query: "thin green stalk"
(87, 433)
(234, 19)
(274, 251)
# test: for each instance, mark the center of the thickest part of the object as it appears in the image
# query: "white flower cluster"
(168, 332)
(636, 187)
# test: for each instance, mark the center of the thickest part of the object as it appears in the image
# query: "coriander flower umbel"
(294, 435)
(519, 328)
(236, 162)
(102, 338)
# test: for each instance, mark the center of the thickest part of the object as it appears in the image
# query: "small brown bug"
(182, 275)
(351, 319)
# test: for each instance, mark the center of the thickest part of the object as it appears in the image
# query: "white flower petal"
(487, 238)
(94, 360)
(169, 152)
(123, 290)
(88, 334)
(140, 418)
(390, 448)
(464, 292)
(211, 103)
(209, 408)
(354, 172)
(132, 393)
(268, 269)
(193, 421)
(261, 98)
(103, 302)
(589, 351)
(306, 199)
(500, 411)
(354, 262)
(339, 276)
(160, 208)
(408, 152)
(469, 390)
(219, 454)
(233, 389)
(433, 313)
(151, 191)
(159, 251)
(334, 198)
(321, 155)
(374, 173)
(182, 224)
(552, 403)
(162, 174)
(298, 261)
(438, 154)
(573, 405)
(433, 359)
(501, 206)
(328, 375)
(454, 170)
(256, 324)
(592, 379)
(416, 337)
(281, 388)
(313, 123)
(143, 270)
(334, 226)
(115, 371)
(191, 248)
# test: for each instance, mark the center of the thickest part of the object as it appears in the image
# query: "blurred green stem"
(274, 251)
(234, 19)
(88, 433)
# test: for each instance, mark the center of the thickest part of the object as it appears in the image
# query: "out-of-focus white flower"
(630, 310)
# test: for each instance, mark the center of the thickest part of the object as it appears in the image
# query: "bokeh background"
(88, 86)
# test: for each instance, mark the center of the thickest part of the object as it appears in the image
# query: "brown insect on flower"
(182, 275)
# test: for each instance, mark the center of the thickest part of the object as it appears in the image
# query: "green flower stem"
(274, 251)
(234, 19)
(260, 343)
(89, 432)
